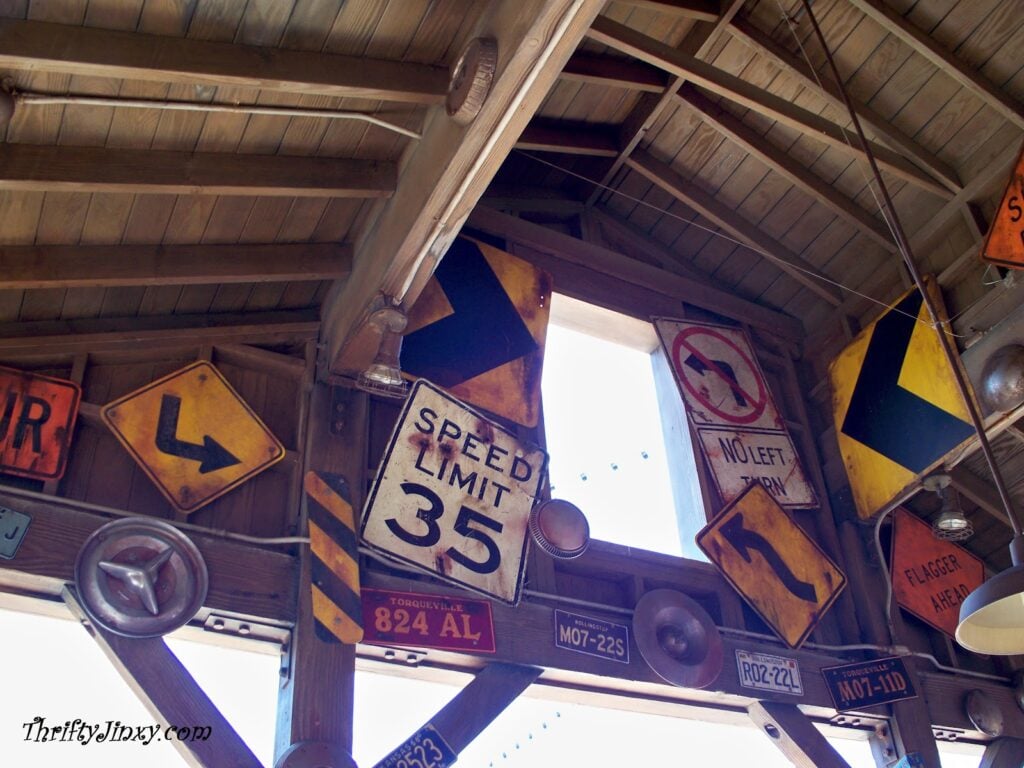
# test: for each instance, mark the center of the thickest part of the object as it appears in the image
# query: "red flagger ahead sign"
(931, 577)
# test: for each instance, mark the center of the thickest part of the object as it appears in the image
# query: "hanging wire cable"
(962, 385)
(718, 233)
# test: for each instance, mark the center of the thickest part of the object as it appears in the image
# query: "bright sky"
(605, 441)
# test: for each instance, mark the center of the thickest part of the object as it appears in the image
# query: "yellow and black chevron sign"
(335, 563)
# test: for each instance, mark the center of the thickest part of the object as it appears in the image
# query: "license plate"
(594, 637)
(769, 673)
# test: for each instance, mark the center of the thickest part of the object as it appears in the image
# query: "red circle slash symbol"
(744, 407)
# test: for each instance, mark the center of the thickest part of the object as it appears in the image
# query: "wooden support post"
(170, 694)
(316, 699)
(911, 720)
(474, 708)
(1003, 753)
(795, 735)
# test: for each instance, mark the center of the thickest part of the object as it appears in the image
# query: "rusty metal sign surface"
(37, 420)
(741, 433)
(777, 568)
(423, 620)
(1004, 244)
(453, 495)
(897, 409)
(931, 577)
(478, 330)
(193, 435)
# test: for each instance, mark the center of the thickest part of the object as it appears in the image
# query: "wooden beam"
(505, 197)
(170, 693)
(979, 492)
(246, 581)
(728, 220)
(43, 47)
(474, 707)
(648, 109)
(1003, 753)
(946, 61)
(316, 698)
(447, 171)
(695, 71)
(32, 168)
(613, 266)
(702, 10)
(88, 266)
(764, 44)
(611, 72)
(51, 337)
(794, 734)
(630, 237)
(780, 162)
(570, 138)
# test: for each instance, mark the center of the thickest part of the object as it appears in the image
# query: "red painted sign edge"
(369, 629)
(69, 428)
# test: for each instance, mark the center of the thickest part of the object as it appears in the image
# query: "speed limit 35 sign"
(453, 495)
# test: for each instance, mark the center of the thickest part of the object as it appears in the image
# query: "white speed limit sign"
(453, 495)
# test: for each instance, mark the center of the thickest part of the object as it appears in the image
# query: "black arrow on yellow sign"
(887, 418)
(744, 539)
(211, 454)
(483, 331)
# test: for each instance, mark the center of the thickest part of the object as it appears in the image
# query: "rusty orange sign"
(193, 435)
(1004, 244)
(931, 577)
(777, 568)
(37, 419)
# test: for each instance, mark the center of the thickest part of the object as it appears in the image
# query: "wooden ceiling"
(707, 142)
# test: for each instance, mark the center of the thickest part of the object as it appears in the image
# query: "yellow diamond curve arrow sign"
(193, 435)
(769, 559)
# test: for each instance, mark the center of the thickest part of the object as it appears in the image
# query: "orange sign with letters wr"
(1005, 242)
(37, 418)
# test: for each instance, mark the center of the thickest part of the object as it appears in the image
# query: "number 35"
(430, 514)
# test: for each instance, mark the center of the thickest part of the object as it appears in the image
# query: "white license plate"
(769, 673)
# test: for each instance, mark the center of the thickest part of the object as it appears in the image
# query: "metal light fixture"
(384, 376)
(951, 524)
(992, 616)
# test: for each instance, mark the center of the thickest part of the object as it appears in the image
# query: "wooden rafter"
(645, 114)
(736, 89)
(170, 693)
(794, 734)
(979, 492)
(45, 47)
(32, 168)
(703, 10)
(826, 87)
(568, 138)
(800, 176)
(612, 72)
(474, 707)
(700, 292)
(946, 61)
(447, 171)
(620, 231)
(85, 266)
(727, 219)
(52, 337)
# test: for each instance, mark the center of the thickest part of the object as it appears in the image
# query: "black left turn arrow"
(744, 539)
(211, 454)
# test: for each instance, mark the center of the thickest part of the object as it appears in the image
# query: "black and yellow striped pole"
(335, 563)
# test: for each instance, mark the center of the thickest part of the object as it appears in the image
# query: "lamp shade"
(992, 616)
